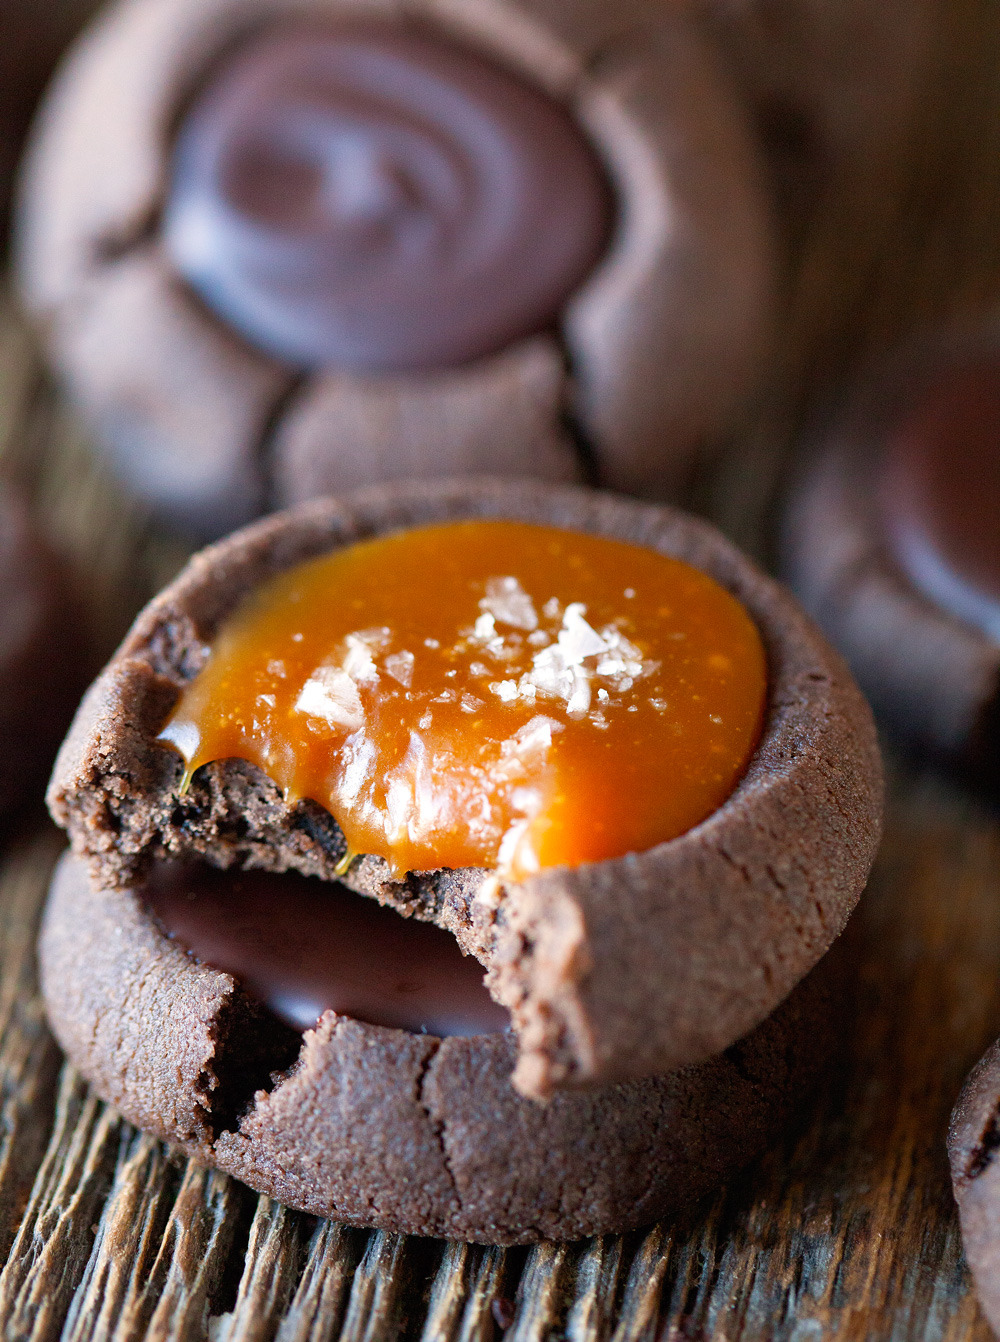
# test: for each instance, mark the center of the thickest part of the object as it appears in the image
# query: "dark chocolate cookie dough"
(890, 540)
(612, 971)
(507, 237)
(406, 1131)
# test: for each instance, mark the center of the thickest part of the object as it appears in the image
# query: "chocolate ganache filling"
(303, 946)
(939, 490)
(375, 197)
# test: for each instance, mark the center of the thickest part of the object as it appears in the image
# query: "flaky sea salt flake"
(577, 639)
(358, 662)
(399, 665)
(332, 695)
(508, 603)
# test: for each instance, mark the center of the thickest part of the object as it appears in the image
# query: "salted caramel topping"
(487, 693)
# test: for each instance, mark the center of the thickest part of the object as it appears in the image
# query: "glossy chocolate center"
(305, 946)
(939, 491)
(375, 197)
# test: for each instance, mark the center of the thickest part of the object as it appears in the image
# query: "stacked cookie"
(652, 1018)
(543, 952)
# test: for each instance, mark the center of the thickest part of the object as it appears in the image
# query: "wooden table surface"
(848, 1231)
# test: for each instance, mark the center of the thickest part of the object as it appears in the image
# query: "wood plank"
(318, 1306)
(160, 1250)
(56, 1234)
(378, 1305)
(469, 1293)
(192, 1258)
(271, 1268)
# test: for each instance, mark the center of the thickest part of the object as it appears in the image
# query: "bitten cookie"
(973, 1139)
(263, 241)
(890, 541)
(381, 1125)
(42, 647)
(613, 969)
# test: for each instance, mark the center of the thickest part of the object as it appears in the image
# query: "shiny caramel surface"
(487, 693)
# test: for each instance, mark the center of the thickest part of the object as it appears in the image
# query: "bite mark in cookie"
(588, 302)
(612, 970)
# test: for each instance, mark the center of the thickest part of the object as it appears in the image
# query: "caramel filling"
(487, 694)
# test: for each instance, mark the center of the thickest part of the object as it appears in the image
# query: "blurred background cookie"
(434, 279)
(891, 541)
(973, 1141)
(43, 653)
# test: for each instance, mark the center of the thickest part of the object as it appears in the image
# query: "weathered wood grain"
(595, 1289)
(194, 1252)
(317, 1308)
(272, 1263)
(386, 1293)
(28, 1055)
(846, 1232)
(469, 1293)
(56, 1233)
(160, 1249)
(540, 1292)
